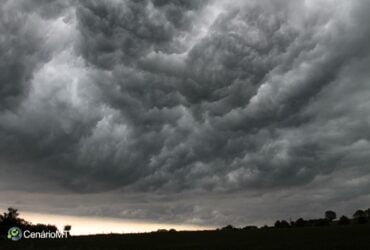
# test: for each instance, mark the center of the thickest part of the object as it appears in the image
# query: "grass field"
(332, 237)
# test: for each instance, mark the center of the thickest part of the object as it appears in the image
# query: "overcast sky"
(185, 111)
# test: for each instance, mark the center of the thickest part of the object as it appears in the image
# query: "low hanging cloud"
(184, 97)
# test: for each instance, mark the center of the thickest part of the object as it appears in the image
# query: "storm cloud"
(186, 111)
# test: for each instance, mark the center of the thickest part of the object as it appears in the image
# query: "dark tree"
(367, 211)
(359, 213)
(282, 224)
(228, 228)
(330, 215)
(362, 220)
(277, 224)
(11, 219)
(300, 223)
(250, 227)
(67, 229)
(360, 216)
(11, 215)
(344, 220)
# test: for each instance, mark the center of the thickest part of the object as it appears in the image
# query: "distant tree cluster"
(330, 218)
(11, 218)
(362, 216)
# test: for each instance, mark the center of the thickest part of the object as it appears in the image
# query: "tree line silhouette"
(330, 218)
(11, 219)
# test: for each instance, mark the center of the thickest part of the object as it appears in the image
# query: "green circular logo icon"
(14, 233)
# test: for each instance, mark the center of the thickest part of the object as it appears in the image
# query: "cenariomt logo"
(15, 234)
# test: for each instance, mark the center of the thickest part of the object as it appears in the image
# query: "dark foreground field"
(333, 238)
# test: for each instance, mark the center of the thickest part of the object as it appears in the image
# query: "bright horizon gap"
(84, 225)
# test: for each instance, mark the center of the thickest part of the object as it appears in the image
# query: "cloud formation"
(182, 98)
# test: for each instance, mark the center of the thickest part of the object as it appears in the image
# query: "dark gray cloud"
(19, 49)
(115, 32)
(23, 47)
(186, 100)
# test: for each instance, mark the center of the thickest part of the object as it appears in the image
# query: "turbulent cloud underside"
(198, 98)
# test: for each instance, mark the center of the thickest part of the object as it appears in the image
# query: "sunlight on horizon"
(101, 225)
